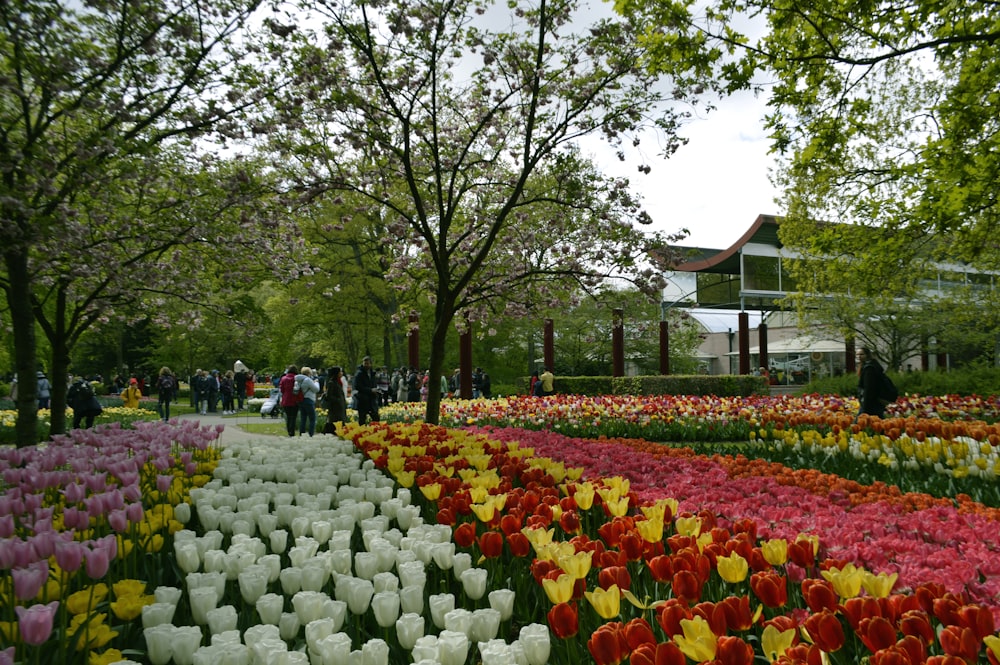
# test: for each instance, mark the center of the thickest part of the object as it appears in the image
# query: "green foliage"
(722, 385)
(972, 380)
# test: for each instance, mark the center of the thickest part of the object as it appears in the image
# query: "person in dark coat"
(869, 384)
(334, 400)
(366, 392)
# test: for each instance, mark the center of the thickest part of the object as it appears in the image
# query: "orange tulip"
(825, 631)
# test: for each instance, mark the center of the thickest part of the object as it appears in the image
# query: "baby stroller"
(272, 405)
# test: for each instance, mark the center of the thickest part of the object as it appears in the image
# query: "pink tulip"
(69, 555)
(29, 580)
(35, 622)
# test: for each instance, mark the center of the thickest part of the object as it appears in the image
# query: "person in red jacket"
(289, 399)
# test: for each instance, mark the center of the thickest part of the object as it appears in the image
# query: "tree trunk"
(444, 315)
(23, 323)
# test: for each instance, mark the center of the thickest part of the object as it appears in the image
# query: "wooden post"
(548, 346)
(617, 343)
(664, 348)
(465, 362)
(762, 343)
(744, 342)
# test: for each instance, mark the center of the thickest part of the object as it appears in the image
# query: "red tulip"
(614, 575)
(687, 585)
(961, 642)
(664, 653)
(465, 534)
(638, 631)
(446, 516)
(731, 650)
(736, 610)
(669, 616)
(607, 645)
(632, 545)
(519, 544)
(819, 594)
(801, 552)
(491, 544)
(510, 524)
(660, 568)
(977, 617)
(858, 609)
(770, 588)
(569, 521)
(825, 630)
(917, 624)
(564, 620)
(877, 633)
(945, 660)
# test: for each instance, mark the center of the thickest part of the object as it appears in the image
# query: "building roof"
(763, 231)
(722, 320)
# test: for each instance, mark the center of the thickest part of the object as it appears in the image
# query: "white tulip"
(187, 557)
(278, 540)
(385, 582)
(502, 600)
(334, 649)
(411, 573)
(272, 562)
(159, 643)
(168, 594)
(409, 628)
(288, 625)
(314, 575)
(444, 555)
(453, 647)
(535, 640)
(222, 619)
(459, 620)
(441, 604)
(365, 565)
(385, 606)
(317, 630)
(269, 608)
(291, 580)
(426, 649)
(185, 641)
(411, 599)
(356, 592)
(309, 605)
(253, 583)
(496, 652)
(474, 582)
(375, 652)
(335, 610)
(485, 625)
(202, 599)
(158, 614)
(461, 562)
(259, 633)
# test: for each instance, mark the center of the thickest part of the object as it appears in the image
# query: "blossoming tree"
(458, 122)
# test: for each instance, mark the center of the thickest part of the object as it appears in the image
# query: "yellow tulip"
(775, 642)
(577, 565)
(559, 590)
(698, 641)
(618, 508)
(651, 529)
(846, 581)
(584, 496)
(405, 478)
(607, 604)
(992, 643)
(128, 608)
(879, 585)
(85, 600)
(775, 551)
(484, 511)
(129, 588)
(479, 494)
(431, 492)
(538, 537)
(106, 658)
(688, 526)
(732, 568)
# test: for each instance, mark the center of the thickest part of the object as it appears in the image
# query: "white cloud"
(716, 185)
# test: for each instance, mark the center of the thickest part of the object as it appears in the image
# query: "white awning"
(798, 345)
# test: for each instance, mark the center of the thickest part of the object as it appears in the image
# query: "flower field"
(504, 541)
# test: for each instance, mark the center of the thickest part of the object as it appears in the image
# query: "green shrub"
(722, 385)
(965, 381)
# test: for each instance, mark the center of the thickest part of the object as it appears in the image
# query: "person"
(13, 389)
(486, 386)
(534, 387)
(334, 400)
(444, 386)
(131, 395)
(226, 388)
(869, 382)
(240, 373)
(44, 390)
(455, 382)
(82, 400)
(366, 392)
(309, 389)
(547, 381)
(382, 381)
(477, 383)
(194, 383)
(213, 391)
(412, 385)
(166, 389)
(251, 387)
(289, 398)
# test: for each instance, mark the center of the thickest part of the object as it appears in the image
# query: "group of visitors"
(301, 390)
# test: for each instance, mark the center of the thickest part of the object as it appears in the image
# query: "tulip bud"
(502, 600)
(385, 606)
(288, 625)
(411, 599)
(453, 647)
(536, 642)
(485, 625)
(474, 582)
(222, 619)
(440, 604)
(409, 628)
(269, 607)
(202, 600)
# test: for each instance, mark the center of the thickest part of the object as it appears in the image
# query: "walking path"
(233, 432)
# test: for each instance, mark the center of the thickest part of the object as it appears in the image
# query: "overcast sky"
(717, 184)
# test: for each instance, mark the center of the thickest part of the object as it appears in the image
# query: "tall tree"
(85, 86)
(456, 120)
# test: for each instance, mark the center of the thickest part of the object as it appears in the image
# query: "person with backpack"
(83, 401)
(131, 395)
(166, 389)
(290, 398)
(871, 377)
